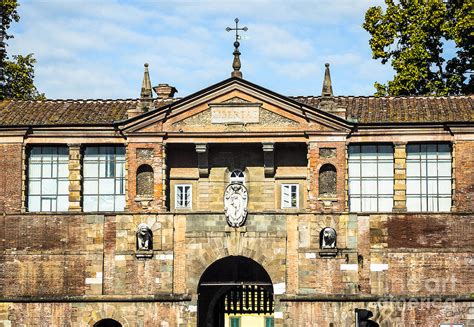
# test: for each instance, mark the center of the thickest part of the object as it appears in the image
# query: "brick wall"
(10, 177)
(464, 174)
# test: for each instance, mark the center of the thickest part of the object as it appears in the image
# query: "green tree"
(16, 74)
(411, 34)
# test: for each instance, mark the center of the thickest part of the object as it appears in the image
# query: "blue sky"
(96, 49)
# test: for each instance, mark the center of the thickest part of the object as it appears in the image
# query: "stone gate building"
(237, 206)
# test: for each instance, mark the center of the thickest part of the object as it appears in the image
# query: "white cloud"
(92, 48)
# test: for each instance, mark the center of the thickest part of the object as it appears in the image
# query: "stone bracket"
(269, 159)
(144, 254)
(203, 159)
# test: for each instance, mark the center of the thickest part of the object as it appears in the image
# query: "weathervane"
(236, 64)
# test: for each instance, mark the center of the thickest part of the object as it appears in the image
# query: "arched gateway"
(234, 290)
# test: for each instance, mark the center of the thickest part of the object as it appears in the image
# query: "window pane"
(413, 204)
(34, 203)
(48, 186)
(106, 203)
(46, 170)
(63, 203)
(369, 151)
(444, 186)
(91, 153)
(444, 204)
(369, 169)
(369, 186)
(385, 204)
(45, 204)
(369, 204)
(354, 151)
(385, 187)
(444, 151)
(385, 169)
(91, 187)
(354, 187)
(413, 168)
(63, 170)
(63, 187)
(106, 186)
(444, 168)
(432, 186)
(354, 204)
(432, 168)
(90, 170)
(34, 187)
(354, 169)
(431, 151)
(34, 170)
(119, 202)
(413, 186)
(90, 203)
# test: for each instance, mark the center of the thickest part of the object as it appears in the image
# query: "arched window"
(145, 180)
(107, 323)
(327, 181)
(237, 176)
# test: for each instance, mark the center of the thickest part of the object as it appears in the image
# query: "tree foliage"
(412, 34)
(16, 74)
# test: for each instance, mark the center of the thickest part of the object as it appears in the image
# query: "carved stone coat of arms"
(235, 204)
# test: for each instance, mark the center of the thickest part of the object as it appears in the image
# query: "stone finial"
(236, 63)
(146, 84)
(327, 84)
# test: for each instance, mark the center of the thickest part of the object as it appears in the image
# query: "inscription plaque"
(235, 114)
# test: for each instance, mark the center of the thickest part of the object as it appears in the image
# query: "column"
(75, 177)
(400, 177)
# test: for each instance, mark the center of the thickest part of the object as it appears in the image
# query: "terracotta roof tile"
(415, 109)
(359, 108)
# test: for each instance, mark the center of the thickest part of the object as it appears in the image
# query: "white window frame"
(368, 187)
(176, 204)
(429, 177)
(99, 168)
(53, 171)
(290, 185)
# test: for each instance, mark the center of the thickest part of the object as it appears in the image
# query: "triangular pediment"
(235, 105)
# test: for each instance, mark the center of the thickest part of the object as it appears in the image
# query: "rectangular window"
(183, 196)
(48, 178)
(104, 178)
(429, 177)
(234, 321)
(289, 196)
(371, 178)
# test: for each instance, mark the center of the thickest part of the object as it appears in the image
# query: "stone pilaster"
(75, 177)
(453, 179)
(202, 150)
(179, 255)
(164, 176)
(400, 178)
(24, 166)
(269, 158)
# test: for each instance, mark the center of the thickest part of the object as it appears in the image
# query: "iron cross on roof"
(236, 63)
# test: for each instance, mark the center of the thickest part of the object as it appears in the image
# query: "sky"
(95, 49)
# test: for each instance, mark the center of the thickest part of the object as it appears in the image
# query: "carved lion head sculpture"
(144, 237)
(327, 238)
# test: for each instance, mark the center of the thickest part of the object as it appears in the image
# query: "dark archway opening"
(107, 323)
(233, 285)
